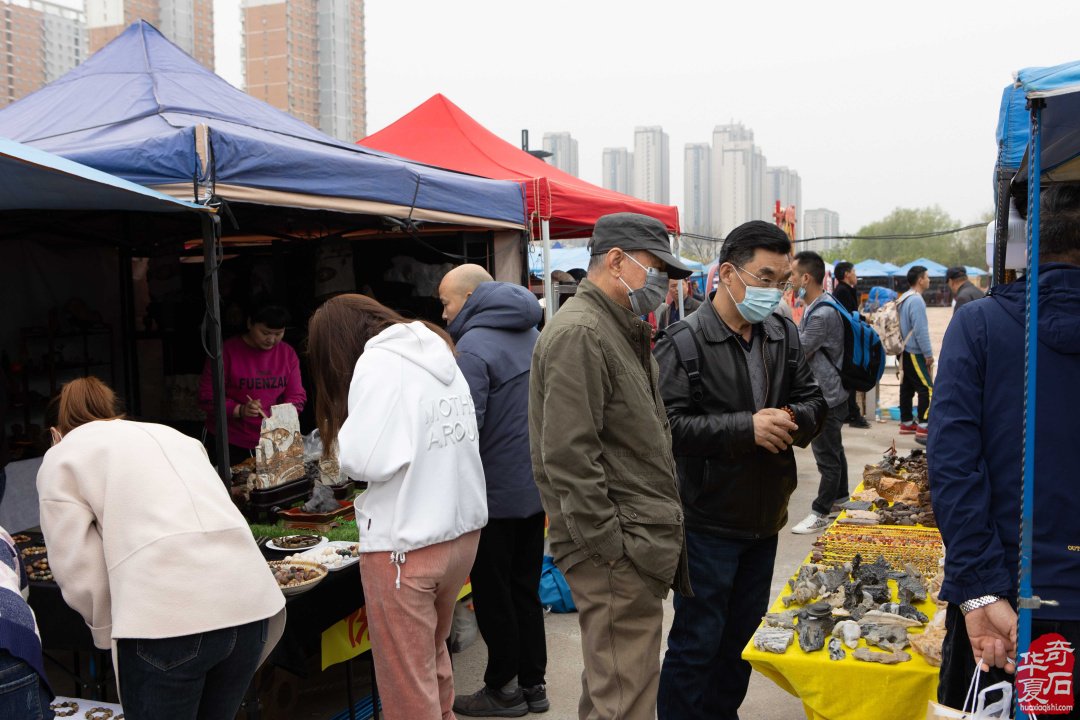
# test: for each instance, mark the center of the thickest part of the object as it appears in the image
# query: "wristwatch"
(976, 603)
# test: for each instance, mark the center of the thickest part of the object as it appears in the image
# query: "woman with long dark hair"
(146, 544)
(390, 393)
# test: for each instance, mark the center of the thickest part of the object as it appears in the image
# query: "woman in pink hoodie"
(261, 370)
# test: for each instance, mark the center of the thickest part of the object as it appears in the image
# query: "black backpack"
(864, 356)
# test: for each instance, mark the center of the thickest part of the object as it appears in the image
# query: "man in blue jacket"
(974, 454)
(494, 326)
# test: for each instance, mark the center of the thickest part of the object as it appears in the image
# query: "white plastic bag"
(975, 703)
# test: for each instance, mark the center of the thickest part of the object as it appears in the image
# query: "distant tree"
(701, 249)
(964, 248)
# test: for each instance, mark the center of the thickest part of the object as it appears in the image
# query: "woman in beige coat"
(146, 544)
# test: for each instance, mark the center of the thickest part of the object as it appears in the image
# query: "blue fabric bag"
(554, 592)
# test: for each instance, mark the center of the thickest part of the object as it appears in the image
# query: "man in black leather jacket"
(736, 469)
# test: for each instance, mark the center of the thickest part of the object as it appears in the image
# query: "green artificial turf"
(345, 531)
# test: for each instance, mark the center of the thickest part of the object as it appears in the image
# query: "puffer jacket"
(495, 334)
(729, 485)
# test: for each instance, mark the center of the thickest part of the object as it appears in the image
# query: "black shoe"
(858, 421)
(487, 702)
(536, 697)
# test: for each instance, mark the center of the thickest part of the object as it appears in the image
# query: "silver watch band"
(976, 603)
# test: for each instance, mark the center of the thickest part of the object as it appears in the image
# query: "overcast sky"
(876, 105)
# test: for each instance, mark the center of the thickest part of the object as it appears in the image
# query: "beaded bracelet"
(98, 713)
(64, 709)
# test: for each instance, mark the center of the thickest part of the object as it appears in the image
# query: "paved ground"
(765, 700)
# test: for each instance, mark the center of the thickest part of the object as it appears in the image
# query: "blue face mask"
(759, 302)
(802, 293)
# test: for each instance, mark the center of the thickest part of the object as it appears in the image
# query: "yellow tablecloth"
(850, 689)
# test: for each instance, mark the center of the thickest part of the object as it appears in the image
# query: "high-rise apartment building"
(188, 23)
(696, 189)
(563, 149)
(307, 57)
(785, 185)
(652, 176)
(739, 179)
(42, 41)
(821, 226)
(618, 172)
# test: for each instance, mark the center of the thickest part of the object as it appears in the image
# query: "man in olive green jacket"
(601, 453)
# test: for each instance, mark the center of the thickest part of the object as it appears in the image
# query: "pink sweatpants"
(409, 625)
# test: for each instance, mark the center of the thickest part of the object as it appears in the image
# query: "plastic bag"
(464, 629)
(554, 592)
(977, 702)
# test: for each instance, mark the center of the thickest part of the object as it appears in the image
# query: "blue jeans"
(22, 693)
(704, 675)
(192, 677)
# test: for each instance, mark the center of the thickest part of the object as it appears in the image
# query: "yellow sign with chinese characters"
(349, 638)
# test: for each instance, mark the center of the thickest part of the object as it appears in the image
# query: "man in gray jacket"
(601, 451)
(494, 327)
(822, 336)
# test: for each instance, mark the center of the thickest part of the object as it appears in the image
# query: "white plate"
(315, 554)
(274, 546)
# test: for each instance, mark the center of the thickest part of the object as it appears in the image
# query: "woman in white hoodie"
(390, 393)
(146, 544)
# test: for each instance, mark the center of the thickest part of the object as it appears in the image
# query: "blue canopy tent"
(973, 271)
(563, 258)
(873, 268)
(1060, 147)
(934, 269)
(568, 258)
(143, 110)
(32, 179)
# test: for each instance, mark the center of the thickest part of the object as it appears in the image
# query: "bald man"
(456, 287)
(494, 326)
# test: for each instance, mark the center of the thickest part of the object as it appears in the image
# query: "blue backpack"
(554, 592)
(864, 356)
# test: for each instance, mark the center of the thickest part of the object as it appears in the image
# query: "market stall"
(857, 633)
(305, 216)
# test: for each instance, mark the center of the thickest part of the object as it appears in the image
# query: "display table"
(851, 689)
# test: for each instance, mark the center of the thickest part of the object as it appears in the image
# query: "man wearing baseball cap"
(601, 453)
(961, 288)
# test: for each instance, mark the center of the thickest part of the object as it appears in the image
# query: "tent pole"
(1027, 601)
(676, 246)
(127, 311)
(211, 227)
(549, 297)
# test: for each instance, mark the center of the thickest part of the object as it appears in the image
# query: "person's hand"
(930, 366)
(772, 429)
(992, 632)
(251, 408)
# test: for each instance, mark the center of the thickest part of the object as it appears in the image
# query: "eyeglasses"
(781, 286)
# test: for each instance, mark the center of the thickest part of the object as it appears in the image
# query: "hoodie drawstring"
(397, 558)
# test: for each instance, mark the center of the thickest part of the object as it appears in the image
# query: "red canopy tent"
(440, 133)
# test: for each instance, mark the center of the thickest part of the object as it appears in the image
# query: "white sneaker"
(811, 524)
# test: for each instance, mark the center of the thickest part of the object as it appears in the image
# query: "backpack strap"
(845, 317)
(686, 350)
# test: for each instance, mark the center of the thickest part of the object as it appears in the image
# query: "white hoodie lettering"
(450, 420)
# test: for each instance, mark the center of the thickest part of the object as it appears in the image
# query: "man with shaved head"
(494, 326)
